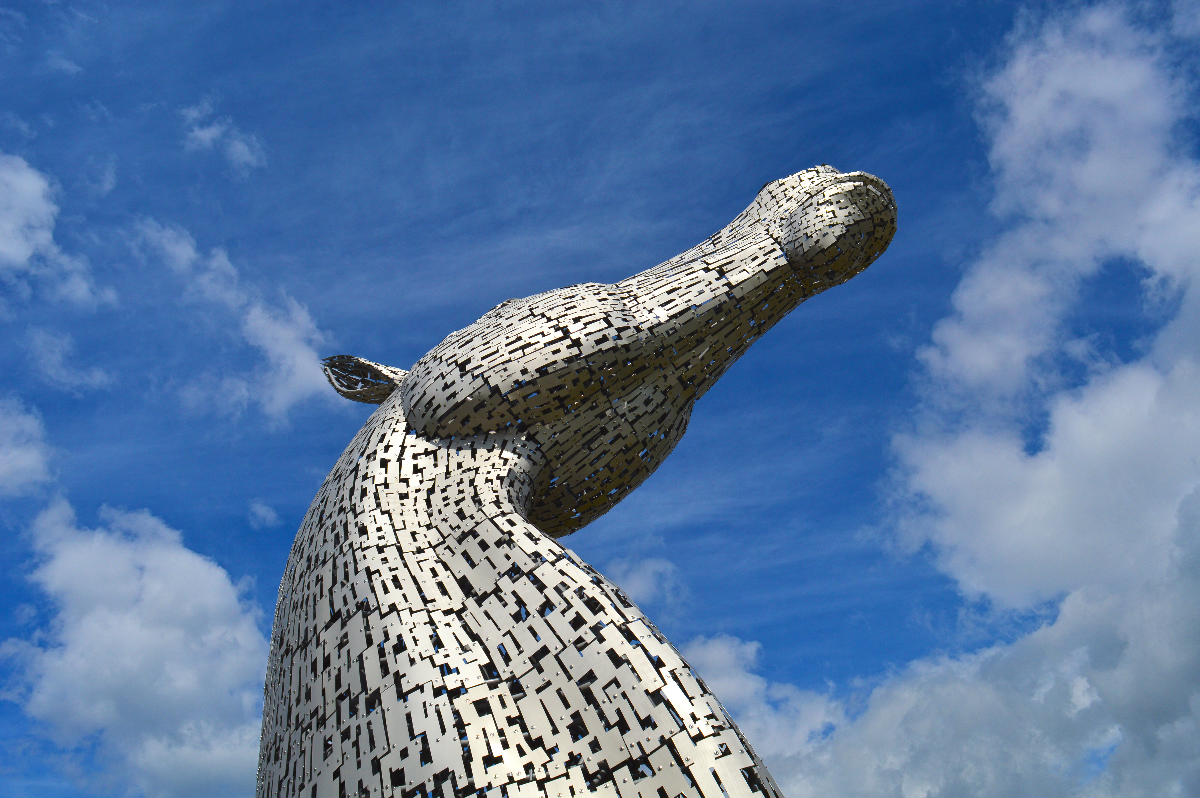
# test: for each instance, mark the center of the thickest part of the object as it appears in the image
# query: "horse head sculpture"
(456, 645)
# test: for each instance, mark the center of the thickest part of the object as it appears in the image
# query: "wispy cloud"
(283, 332)
(206, 132)
(57, 62)
(27, 249)
(12, 25)
(50, 352)
(10, 121)
(24, 453)
(287, 337)
(103, 175)
(262, 515)
(27, 213)
(1185, 18)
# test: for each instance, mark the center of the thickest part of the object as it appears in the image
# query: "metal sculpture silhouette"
(432, 637)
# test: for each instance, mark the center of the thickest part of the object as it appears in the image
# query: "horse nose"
(870, 193)
(872, 199)
(851, 222)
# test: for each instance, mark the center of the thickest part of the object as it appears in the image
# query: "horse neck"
(418, 590)
(397, 496)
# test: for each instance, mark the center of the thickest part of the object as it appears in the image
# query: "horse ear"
(362, 380)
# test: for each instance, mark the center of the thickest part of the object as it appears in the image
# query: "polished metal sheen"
(432, 636)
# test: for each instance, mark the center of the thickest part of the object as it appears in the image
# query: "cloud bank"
(1045, 467)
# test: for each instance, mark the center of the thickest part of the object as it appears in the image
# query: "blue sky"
(938, 533)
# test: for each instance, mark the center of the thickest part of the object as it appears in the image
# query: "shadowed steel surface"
(432, 636)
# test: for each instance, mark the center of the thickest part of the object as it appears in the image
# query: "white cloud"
(1099, 514)
(1102, 701)
(243, 151)
(24, 453)
(210, 278)
(174, 245)
(1082, 121)
(27, 247)
(212, 393)
(194, 114)
(50, 351)
(151, 654)
(284, 333)
(287, 336)
(779, 719)
(1095, 506)
(262, 515)
(12, 25)
(205, 137)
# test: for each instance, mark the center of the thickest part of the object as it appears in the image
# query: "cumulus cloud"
(1094, 506)
(206, 132)
(27, 247)
(150, 656)
(1082, 121)
(780, 720)
(1043, 471)
(24, 453)
(284, 332)
(1103, 701)
(50, 352)
(146, 657)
